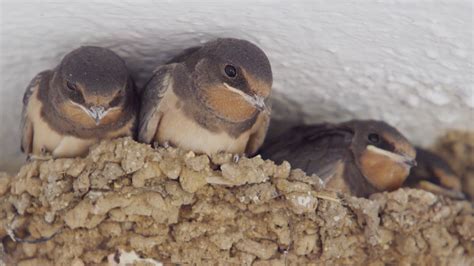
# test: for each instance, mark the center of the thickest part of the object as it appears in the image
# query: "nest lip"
(156, 202)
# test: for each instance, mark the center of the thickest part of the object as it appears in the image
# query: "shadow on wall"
(287, 113)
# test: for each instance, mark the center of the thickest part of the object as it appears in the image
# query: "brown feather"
(256, 139)
(382, 172)
(180, 129)
(26, 124)
(258, 86)
(44, 137)
(187, 103)
(338, 154)
(229, 105)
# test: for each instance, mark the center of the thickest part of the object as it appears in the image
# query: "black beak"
(411, 163)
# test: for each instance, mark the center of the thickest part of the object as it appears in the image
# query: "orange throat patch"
(229, 105)
(383, 172)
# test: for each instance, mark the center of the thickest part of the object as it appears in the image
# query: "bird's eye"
(116, 101)
(71, 86)
(374, 138)
(230, 71)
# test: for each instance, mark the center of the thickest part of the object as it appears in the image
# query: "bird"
(88, 97)
(357, 157)
(434, 174)
(209, 99)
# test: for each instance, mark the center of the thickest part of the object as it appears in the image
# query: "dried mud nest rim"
(129, 198)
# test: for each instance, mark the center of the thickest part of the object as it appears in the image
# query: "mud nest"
(457, 147)
(129, 203)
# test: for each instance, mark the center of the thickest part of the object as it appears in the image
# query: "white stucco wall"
(408, 62)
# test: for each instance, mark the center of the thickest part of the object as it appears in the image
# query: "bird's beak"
(410, 162)
(255, 100)
(97, 113)
(258, 102)
(400, 158)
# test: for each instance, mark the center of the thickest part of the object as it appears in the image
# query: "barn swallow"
(359, 157)
(89, 96)
(434, 174)
(209, 99)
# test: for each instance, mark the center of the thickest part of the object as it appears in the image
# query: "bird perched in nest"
(209, 99)
(434, 174)
(89, 96)
(359, 157)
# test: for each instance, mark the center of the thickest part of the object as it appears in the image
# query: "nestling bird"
(359, 157)
(434, 174)
(209, 99)
(89, 96)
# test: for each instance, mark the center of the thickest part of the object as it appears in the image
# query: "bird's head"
(233, 77)
(93, 85)
(382, 153)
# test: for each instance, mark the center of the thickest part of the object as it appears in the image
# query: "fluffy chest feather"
(45, 138)
(182, 130)
(49, 140)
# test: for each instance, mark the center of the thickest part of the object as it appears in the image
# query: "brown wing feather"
(316, 149)
(256, 139)
(152, 94)
(26, 127)
(151, 97)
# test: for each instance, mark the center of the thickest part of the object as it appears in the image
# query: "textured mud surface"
(457, 147)
(127, 202)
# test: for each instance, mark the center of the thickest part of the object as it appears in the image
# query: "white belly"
(183, 132)
(44, 138)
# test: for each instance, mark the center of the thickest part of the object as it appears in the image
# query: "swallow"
(434, 174)
(89, 96)
(358, 157)
(209, 99)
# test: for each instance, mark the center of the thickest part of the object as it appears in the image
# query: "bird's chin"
(100, 120)
(383, 169)
(97, 122)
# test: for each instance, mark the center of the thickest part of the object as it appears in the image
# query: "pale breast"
(60, 145)
(179, 130)
(47, 139)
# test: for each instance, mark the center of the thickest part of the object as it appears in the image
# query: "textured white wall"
(408, 62)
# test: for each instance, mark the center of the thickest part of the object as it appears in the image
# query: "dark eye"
(374, 138)
(116, 101)
(75, 94)
(71, 86)
(230, 71)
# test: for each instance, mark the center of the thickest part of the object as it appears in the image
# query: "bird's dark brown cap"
(235, 52)
(390, 138)
(241, 52)
(98, 69)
